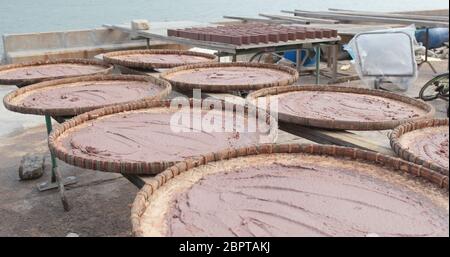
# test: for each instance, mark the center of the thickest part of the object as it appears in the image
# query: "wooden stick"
(315, 20)
(299, 19)
(255, 19)
(355, 17)
(390, 15)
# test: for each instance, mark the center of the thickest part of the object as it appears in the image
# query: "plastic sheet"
(385, 55)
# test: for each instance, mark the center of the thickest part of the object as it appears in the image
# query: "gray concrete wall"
(66, 44)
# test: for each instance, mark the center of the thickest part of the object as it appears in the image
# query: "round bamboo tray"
(12, 101)
(405, 153)
(292, 77)
(128, 166)
(115, 58)
(344, 124)
(404, 174)
(106, 68)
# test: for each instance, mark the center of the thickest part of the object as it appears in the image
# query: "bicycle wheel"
(445, 90)
(432, 88)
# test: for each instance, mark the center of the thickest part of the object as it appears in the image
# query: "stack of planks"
(334, 16)
(419, 20)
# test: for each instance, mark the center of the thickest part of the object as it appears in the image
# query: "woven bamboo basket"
(124, 167)
(406, 154)
(391, 164)
(24, 82)
(187, 86)
(114, 58)
(9, 103)
(342, 124)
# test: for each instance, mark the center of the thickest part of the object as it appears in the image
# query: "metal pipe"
(318, 64)
(48, 123)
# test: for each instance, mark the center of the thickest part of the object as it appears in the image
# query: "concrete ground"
(100, 201)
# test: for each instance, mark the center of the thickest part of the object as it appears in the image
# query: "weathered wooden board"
(369, 140)
(361, 18)
(291, 133)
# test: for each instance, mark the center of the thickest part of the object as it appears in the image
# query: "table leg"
(298, 62)
(334, 63)
(62, 190)
(427, 37)
(56, 175)
(317, 64)
(48, 123)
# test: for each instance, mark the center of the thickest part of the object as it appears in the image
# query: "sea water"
(22, 16)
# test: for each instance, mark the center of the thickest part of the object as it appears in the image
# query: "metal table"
(223, 49)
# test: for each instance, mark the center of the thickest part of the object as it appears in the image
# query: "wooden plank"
(351, 29)
(311, 20)
(342, 138)
(429, 12)
(138, 181)
(286, 18)
(355, 17)
(257, 20)
(390, 15)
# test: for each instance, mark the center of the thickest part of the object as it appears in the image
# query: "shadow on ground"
(100, 202)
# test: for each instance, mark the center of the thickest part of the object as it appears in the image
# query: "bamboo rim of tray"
(404, 152)
(394, 164)
(166, 88)
(124, 167)
(342, 124)
(114, 58)
(23, 82)
(187, 86)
